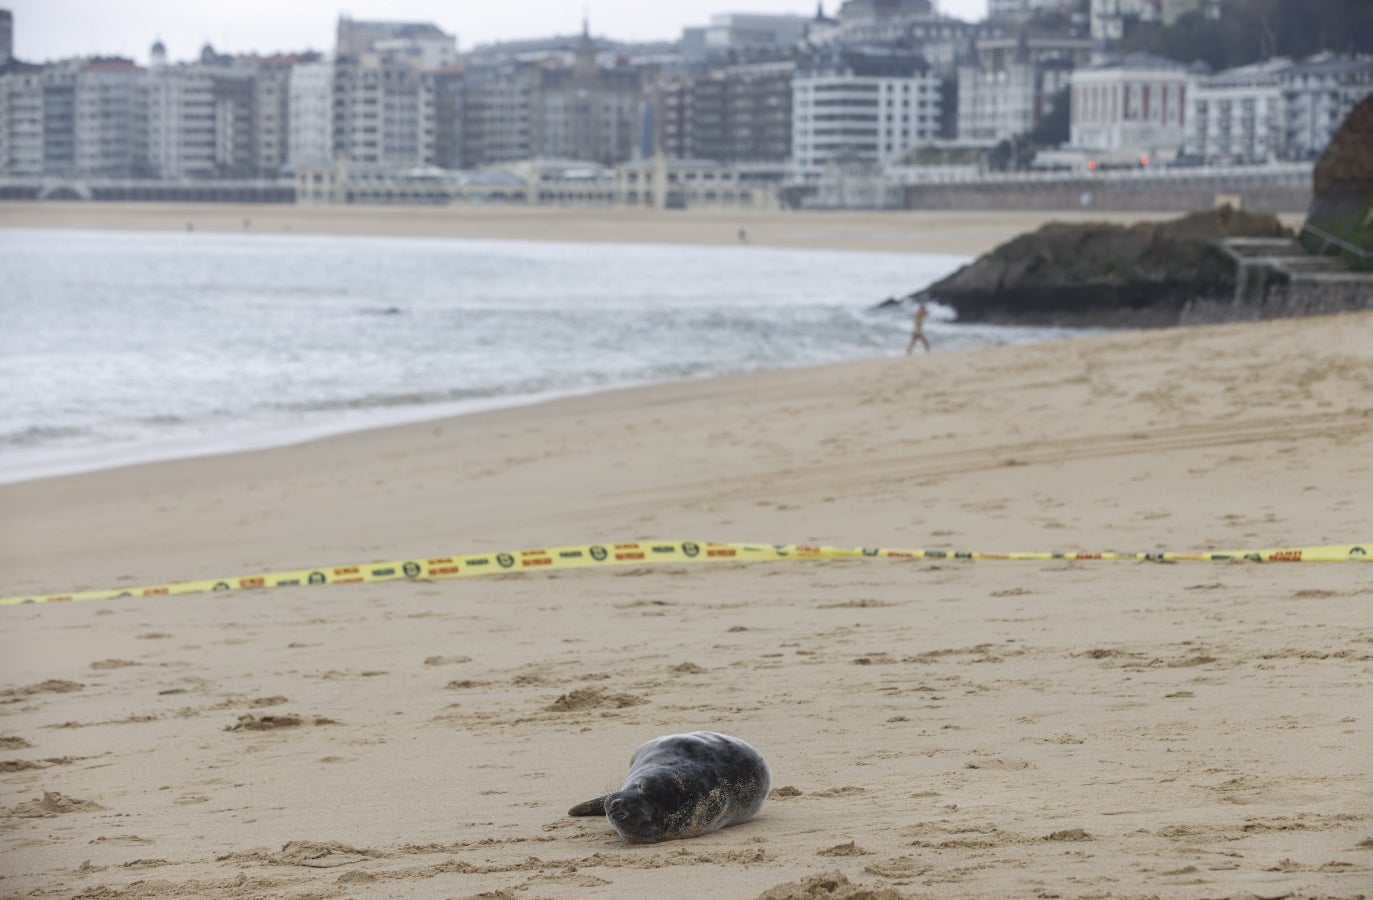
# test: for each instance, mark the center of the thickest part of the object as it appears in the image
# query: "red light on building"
(1144, 160)
(1091, 165)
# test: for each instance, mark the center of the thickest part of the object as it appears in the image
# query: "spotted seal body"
(684, 785)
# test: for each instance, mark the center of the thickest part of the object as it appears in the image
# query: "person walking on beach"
(918, 333)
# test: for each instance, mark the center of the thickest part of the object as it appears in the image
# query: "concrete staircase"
(1281, 254)
(1278, 278)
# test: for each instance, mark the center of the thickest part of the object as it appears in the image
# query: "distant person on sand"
(918, 332)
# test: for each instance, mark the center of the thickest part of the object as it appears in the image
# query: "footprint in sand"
(447, 660)
(275, 723)
(1005, 765)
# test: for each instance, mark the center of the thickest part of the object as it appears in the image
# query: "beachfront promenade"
(1278, 187)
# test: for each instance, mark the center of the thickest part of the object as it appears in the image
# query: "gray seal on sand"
(684, 785)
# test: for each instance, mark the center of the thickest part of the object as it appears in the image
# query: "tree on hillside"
(1253, 30)
(1054, 129)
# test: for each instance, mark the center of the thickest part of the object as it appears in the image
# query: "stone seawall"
(1331, 294)
(1124, 195)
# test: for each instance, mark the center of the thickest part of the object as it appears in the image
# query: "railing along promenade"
(1295, 173)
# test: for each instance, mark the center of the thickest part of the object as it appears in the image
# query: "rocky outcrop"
(1342, 197)
(1101, 274)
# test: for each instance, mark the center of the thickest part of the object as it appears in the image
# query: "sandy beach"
(967, 233)
(935, 729)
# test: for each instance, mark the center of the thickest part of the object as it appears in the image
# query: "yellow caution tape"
(646, 552)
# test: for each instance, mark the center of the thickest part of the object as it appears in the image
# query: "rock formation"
(1342, 195)
(1101, 274)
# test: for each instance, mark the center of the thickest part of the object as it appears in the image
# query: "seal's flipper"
(589, 808)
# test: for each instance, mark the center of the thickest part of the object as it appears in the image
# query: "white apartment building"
(858, 106)
(21, 124)
(1008, 84)
(78, 118)
(311, 117)
(384, 114)
(181, 121)
(1317, 96)
(997, 104)
(1235, 116)
(1136, 105)
(384, 97)
(111, 123)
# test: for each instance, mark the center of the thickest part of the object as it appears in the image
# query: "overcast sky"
(56, 29)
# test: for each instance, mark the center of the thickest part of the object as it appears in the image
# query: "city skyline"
(47, 30)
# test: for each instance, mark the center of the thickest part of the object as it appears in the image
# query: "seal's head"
(661, 805)
(635, 815)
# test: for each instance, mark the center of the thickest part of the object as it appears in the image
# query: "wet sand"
(967, 233)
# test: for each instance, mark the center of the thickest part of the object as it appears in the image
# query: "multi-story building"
(727, 114)
(59, 121)
(76, 118)
(497, 104)
(1008, 84)
(586, 112)
(21, 123)
(450, 111)
(272, 102)
(111, 123)
(758, 124)
(181, 119)
(310, 120)
(1317, 97)
(235, 124)
(220, 116)
(1133, 106)
(1235, 116)
(383, 113)
(861, 106)
(384, 92)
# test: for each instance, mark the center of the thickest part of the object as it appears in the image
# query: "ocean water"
(118, 347)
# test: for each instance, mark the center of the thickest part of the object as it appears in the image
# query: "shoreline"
(953, 233)
(87, 461)
(92, 461)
